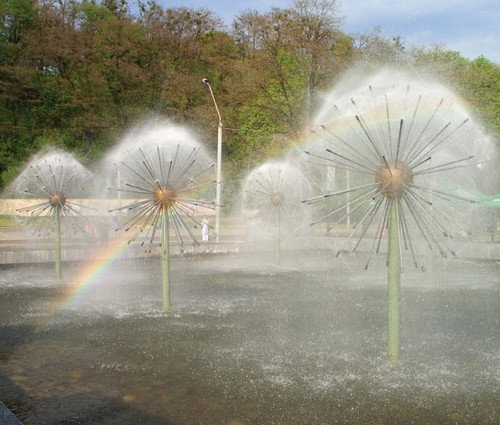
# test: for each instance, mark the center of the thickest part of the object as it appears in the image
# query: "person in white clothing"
(204, 230)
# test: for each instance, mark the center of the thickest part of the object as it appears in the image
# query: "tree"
(17, 91)
(377, 50)
(17, 17)
(477, 81)
(178, 41)
(316, 31)
(77, 73)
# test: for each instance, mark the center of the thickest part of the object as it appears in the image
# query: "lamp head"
(205, 81)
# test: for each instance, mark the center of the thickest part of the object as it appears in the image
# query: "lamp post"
(219, 164)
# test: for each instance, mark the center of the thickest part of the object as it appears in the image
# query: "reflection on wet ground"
(247, 342)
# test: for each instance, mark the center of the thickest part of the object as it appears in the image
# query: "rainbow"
(89, 275)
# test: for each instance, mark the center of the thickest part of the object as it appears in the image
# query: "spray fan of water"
(272, 205)
(59, 182)
(401, 143)
(162, 170)
(272, 197)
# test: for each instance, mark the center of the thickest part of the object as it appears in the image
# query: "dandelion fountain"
(167, 172)
(272, 199)
(59, 178)
(402, 139)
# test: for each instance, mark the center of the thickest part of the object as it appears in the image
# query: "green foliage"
(482, 82)
(16, 18)
(477, 81)
(77, 77)
(92, 12)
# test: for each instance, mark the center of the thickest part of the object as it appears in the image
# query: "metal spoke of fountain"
(61, 180)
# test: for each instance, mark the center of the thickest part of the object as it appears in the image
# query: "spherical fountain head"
(165, 195)
(277, 199)
(57, 199)
(393, 179)
(272, 198)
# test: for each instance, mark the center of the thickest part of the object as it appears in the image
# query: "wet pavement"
(249, 342)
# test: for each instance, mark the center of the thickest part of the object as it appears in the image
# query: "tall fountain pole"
(393, 281)
(57, 229)
(165, 258)
(218, 188)
(277, 247)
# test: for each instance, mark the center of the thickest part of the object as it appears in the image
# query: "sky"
(471, 27)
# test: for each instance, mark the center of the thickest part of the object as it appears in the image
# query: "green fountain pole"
(277, 243)
(394, 277)
(165, 259)
(58, 241)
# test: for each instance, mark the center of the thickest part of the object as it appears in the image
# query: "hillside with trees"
(77, 74)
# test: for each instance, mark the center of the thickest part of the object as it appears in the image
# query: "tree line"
(76, 74)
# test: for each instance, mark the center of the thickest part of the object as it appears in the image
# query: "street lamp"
(219, 164)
